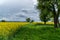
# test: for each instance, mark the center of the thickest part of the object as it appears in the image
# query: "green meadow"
(30, 32)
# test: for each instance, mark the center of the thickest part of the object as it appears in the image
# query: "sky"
(18, 10)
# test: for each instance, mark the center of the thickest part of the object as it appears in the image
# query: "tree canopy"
(52, 6)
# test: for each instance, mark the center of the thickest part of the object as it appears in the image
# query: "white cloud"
(2, 2)
(3, 18)
(35, 2)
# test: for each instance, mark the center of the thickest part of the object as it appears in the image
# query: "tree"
(28, 19)
(51, 6)
(32, 21)
(3, 21)
(44, 16)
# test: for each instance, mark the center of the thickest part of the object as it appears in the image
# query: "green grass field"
(33, 32)
(36, 32)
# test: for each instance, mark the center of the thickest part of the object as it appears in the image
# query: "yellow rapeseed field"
(7, 28)
(43, 22)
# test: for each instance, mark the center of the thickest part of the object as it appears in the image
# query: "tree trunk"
(58, 18)
(44, 22)
(58, 24)
(55, 21)
(56, 15)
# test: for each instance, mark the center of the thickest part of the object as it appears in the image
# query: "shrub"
(38, 24)
(32, 21)
(3, 21)
(28, 19)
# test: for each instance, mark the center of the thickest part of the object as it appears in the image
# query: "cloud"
(17, 10)
(35, 2)
(2, 2)
(4, 19)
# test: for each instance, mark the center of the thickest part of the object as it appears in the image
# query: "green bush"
(3, 21)
(32, 21)
(38, 24)
(28, 19)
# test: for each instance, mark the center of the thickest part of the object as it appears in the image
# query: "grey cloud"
(18, 10)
